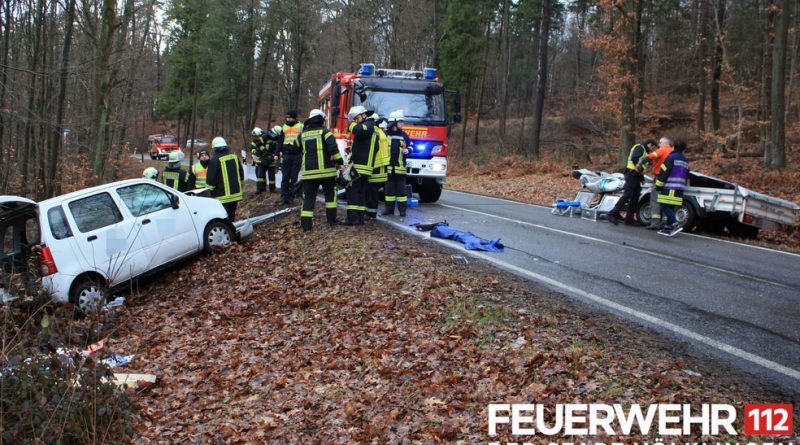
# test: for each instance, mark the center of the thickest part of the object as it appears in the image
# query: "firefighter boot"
(330, 215)
(389, 210)
(401, 206)
(306, 223)
(352, 218)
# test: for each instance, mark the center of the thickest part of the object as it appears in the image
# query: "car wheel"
(217, 234)
(88, 295)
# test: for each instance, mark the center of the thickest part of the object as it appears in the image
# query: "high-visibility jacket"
(176, 178)
(398, 141)
(289, 138)
(258, 149)
(636, 153)
(225, 177)
(657, 157)
(200, 172)
(363, 148)
(381, 160)
(672, 179)
(320, 152)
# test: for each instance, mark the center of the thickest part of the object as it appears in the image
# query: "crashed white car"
(100, 238)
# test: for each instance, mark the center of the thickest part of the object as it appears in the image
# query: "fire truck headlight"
(436, 149)
(438, 167)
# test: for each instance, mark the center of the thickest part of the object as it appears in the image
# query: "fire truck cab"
(421, 98)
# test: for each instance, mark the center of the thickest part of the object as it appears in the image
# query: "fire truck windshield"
(168, 140)
(416, 107)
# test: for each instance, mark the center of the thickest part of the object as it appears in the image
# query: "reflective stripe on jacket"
(225, 177)
(672, 180)
(320, 153)
(200, 174)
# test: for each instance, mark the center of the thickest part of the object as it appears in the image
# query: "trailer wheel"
(686, 216)
(643, 214)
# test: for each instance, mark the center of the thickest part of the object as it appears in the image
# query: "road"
(737, 302)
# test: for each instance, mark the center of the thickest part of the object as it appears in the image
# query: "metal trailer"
(716, 205)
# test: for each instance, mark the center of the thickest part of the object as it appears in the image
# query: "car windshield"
(168, 140)
(416, 107)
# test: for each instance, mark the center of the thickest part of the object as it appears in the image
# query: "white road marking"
(716, 344)
(690, 234)
(624, 246)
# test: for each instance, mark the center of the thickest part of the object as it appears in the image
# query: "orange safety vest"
(658, 157)
(200, 173)
(290, 134)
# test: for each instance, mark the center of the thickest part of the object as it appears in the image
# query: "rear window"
(95, 212)
(59, 226)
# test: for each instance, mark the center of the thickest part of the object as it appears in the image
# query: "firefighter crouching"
(362, 153)
(320, 159)
(379, 162)
(173, 175)
(290, 168)
(399, 143)
(199, 172)
(225, 177)
(633, 183)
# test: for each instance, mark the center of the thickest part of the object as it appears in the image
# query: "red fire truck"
(421, 98)
(161, 145)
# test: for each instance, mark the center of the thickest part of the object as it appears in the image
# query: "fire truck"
(161, 145)
(421, 98)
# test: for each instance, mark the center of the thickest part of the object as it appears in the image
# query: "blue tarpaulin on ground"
(471, 242)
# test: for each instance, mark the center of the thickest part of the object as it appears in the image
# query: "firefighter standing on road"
(290, 168)
(362, 153)
(633, 183)
(225, 177)
(379, 163)
(258, 153)
(670, 183)
(173, 175)
(399, 144)
(320, 160)
(657, 158)
(199, 172)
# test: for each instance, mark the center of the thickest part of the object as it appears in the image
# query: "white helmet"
(175, 156)
(256, 132)
(150, 173)
(396, 116)
(355, 111)
(277, 129)
(219, 142)
(316, 112)
(374, 116)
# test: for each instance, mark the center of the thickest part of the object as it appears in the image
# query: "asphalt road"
(737, 302)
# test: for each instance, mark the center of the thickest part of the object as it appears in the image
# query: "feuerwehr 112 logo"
(670, 423)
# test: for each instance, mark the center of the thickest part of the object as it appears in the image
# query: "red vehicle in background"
(161, 145)
(421, 98)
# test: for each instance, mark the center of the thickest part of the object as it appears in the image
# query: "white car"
(103, 237)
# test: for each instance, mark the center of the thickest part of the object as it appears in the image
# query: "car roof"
(83, 192)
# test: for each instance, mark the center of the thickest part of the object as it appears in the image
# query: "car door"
(165, 225)
(107, 240)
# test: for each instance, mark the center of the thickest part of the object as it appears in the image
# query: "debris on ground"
(117, 360)
(427, 227)
(470, 241)
(133, 381)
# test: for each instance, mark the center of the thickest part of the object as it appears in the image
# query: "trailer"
(711, 203)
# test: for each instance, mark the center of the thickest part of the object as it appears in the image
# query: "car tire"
(88, 295)
(216, 234)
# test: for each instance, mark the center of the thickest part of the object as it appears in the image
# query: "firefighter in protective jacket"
(225, 177)
(290, 168)
(399, 146)
(379, 163)
(362, 154)
(670, 184)
(257, 154)
(173, 175)
(321, 159)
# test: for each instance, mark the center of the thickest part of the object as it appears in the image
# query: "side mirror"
(362, 96)
(457, 118)
(174, 201)
(434, 89)
(335, 112)
(335, 98)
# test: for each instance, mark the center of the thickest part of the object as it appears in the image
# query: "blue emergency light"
(366, 69)
(429, 73)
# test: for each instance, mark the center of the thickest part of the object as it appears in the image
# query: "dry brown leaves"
(328, 337)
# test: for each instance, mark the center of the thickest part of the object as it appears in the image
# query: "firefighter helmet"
(219, 143)
(374, 116)
(355, 111)
(316, 112)
(256, 132)
(175, 156)
(396, 116)
(277, 130)
(150, 173)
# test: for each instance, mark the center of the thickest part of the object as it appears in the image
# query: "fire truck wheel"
(429, 192)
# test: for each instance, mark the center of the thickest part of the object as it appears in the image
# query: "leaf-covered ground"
(372, 336)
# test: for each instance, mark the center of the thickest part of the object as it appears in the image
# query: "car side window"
(59, 226)
(142, 199)
(95, 212)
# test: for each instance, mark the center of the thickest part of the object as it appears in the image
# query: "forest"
(83, 82)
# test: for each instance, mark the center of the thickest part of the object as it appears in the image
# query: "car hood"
(14, 205)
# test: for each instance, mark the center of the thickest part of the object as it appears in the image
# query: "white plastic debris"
(117, 302)
(6, 297)
(118, 360)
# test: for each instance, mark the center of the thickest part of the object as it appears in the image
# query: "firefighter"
(399, 146)
(290, 168)
(150, 173)
(271, 140)
(633, 183)
(321, 158)
(670, 184)
(199, 172)
(657, 158)
(225, 176)
(379, 162)
(258, 153)
(362, 152)
(173, 175)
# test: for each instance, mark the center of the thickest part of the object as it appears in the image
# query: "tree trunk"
(466, 118)
(766, 80)
(57, 137)
(101, 106)
(716, 74)
(777, 156)
(504, 71)
(483, 84)
(701, 65)
(541, 81)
